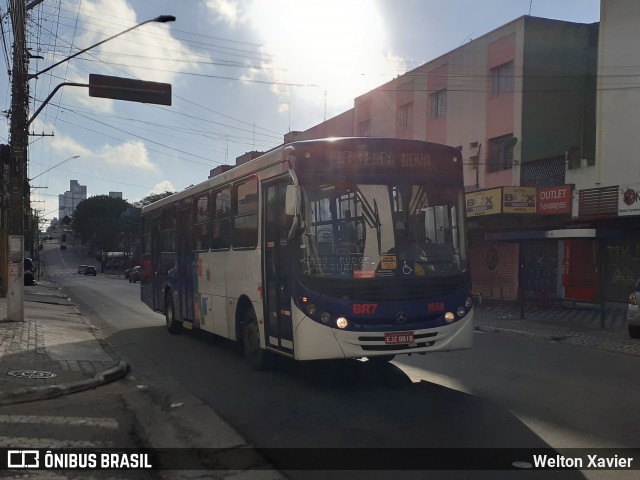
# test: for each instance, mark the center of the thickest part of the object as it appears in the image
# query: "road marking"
(27, 442)
(51, 420)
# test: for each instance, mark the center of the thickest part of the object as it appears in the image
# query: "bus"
(318, 249)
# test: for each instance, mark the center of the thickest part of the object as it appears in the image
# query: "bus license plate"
(399, 338)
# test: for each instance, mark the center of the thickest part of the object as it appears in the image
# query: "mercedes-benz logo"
(401, 317)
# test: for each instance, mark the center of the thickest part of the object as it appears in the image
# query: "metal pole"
(159, 19)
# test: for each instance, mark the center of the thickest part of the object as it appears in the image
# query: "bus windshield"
(355, 231)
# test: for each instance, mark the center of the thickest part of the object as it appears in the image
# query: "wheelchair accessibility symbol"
(406, 269)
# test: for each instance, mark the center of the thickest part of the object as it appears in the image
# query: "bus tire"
(170, 315)
(380, 360)
(258, 358)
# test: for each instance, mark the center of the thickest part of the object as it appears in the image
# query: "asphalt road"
(507, 392)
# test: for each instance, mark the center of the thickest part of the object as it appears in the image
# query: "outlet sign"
(554, 200)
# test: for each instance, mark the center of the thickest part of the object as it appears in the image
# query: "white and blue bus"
(319, 249)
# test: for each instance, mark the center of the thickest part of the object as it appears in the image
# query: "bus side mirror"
(292, 200)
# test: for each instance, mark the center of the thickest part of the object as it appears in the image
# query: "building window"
(500, 153)
(502, 79)
(405, 116)
(364, 128)
(438, 104)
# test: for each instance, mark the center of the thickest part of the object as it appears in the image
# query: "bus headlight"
(449, 317)
(342, 322)
(311, 309)
(325, 317)
(461, 311)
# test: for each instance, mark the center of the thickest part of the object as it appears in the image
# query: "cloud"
(148, 52)
(331, 50)
(228, 11)
(161, 187)
(128, 154)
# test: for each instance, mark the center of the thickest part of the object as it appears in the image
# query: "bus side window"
(221, 238)
(245, 221)
(201, 229)
(168, 233)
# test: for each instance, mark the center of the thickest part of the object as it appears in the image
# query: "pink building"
(519, 102)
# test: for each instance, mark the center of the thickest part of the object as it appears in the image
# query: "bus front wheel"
(170, 315)
(380, 360)
(258, 358)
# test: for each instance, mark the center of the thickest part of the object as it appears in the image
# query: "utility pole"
(18, 188)
(108, 87)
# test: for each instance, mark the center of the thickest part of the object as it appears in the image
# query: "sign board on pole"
(129, 89)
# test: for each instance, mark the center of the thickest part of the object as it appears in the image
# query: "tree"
(98, 220)
(151, 198)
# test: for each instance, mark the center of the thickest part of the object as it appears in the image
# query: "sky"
(243, 74)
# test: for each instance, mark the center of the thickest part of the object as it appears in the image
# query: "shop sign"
(483, 202)
(519, 199)
(629, 200)
(554, 200)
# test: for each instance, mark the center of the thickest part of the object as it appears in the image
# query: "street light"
(19, 142)
(56, 165)
(158, 19)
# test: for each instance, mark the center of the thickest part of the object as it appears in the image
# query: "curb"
(30, 394)
(520, 333)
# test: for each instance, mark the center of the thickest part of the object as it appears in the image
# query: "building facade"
(543, 115)
(607, 193)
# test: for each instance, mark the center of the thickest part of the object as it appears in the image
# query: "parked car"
(633, 311)
(135, 274)
(29, 270)
(90, 270)
(63, 246)
(82, 268)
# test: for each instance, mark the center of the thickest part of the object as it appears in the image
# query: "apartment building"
(69, 200)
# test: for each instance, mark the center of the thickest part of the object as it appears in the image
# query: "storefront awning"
(554, 234)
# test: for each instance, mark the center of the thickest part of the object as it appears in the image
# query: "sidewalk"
(53, 351)
(580, 325)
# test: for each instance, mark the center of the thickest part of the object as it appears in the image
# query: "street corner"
(24, 388)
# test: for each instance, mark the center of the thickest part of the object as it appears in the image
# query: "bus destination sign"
(366, 159)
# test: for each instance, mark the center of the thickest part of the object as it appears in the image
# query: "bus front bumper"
(314, 341)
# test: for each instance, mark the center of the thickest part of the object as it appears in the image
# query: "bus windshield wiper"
(371, 215)
(419, 200)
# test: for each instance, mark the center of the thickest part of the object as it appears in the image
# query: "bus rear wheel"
(170, 315)
(258, 358)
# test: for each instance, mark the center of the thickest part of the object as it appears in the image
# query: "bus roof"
(370, 154)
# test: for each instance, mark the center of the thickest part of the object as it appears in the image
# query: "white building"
(69, 200)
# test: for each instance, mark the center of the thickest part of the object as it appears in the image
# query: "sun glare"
(339, 46)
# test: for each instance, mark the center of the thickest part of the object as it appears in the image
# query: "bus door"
(185, 262)
(150, 266)
(277, 268)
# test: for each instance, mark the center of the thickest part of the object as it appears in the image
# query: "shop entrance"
(579, 269)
